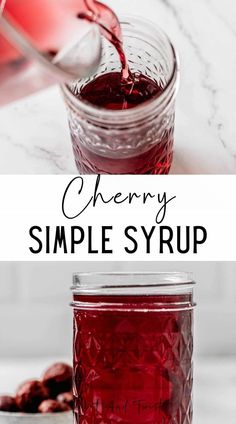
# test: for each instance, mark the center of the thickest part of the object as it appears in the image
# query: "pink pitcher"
(43, 42)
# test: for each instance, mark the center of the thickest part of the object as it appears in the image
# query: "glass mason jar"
(133, 345)
(131, 141)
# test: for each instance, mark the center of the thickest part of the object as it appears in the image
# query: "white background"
(200, 200)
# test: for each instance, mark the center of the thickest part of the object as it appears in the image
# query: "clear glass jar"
(132, 141)
(133, 345)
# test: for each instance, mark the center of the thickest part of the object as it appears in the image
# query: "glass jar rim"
(154, 103)
(107, 283)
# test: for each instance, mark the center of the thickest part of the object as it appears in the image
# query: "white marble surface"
(214, 392)
(34, 137)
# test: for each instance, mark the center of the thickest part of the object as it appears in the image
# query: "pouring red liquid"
(110, 27)
(121, 90)
(149, 151)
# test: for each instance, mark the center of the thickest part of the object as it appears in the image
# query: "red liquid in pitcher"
(49, 24)
(132, 364)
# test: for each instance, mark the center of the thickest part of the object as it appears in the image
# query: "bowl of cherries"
(48, 400)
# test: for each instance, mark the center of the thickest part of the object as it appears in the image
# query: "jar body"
(157, 159)
(133, 141)
(133, 358)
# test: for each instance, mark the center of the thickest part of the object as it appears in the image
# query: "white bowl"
(20, 418)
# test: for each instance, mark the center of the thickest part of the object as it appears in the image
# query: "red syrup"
(132, 363)
(155, 161)
(120, 91)
(109, 92)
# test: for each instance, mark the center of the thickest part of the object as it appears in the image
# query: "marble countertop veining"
(214, 391)
(34, 136)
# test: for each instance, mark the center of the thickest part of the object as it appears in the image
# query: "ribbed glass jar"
(133, 345)
(131, 141)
